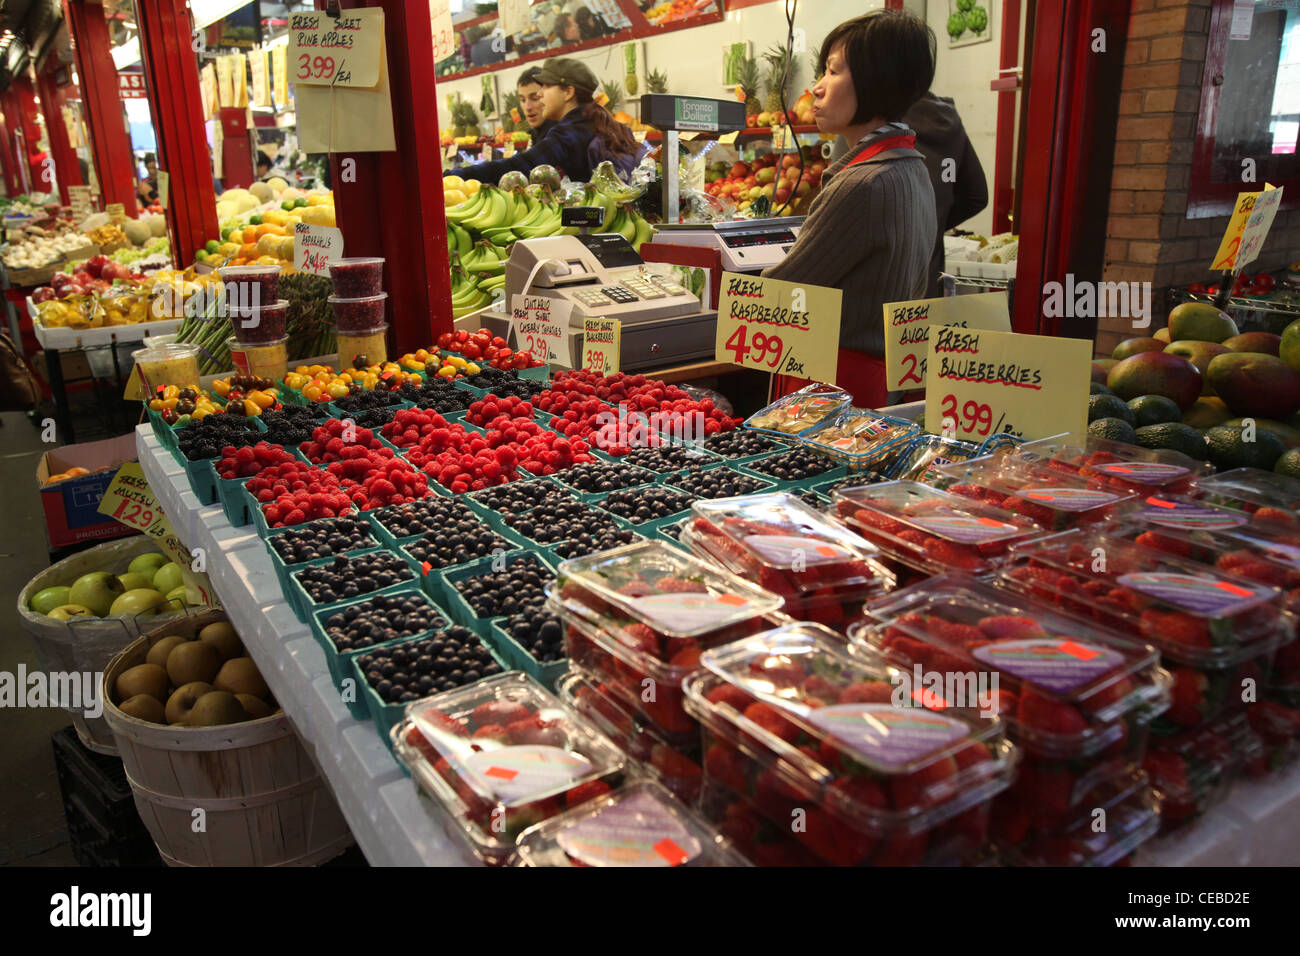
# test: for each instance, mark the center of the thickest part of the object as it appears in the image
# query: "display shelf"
(1257, 824)
(391, 825)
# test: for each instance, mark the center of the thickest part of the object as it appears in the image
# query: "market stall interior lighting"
(208, 12)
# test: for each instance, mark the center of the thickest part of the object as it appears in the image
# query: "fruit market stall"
(485, 521)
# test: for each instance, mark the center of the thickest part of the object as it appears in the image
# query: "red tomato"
(444, 340)
(1198, 287)
(522, 360)
(471, 350)
(461, 335)
(499, 342)
(1264, 281)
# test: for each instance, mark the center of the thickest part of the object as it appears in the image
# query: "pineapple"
(747, 74)
(464, 118)
(510, 102)
(656, 82)
(776, 59)
(614, 94)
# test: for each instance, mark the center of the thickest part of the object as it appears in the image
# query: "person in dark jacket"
(960, 190)
(584, 135)
(532, 102)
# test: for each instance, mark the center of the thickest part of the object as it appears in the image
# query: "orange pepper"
(222, 387)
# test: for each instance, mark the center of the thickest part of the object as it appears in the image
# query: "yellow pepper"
(251, 407)
(222, 387)
(264, 399)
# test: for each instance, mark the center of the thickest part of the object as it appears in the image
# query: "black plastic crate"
(102, 820)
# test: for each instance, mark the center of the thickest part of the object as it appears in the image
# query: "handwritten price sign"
(314, 247)
(129, 500)
(600, 345)
(444, 36)
(541, 326)
(981, 383)
(908, 324)
(788, 328)
(1257, 226)
(1230, 244)
(336, 51)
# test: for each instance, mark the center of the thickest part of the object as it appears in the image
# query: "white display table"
(1258, 825)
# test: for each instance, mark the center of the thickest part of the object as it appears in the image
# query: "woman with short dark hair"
(871, 229)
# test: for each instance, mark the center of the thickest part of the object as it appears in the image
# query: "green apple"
(168, 577)
(47, 599)
(96, 590)
(147, 564)
(135, 579)
(179, 594)
(69, 612)
(144, 601)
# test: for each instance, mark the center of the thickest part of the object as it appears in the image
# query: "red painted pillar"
(390, 204)
(65, 158)
(106, 120)
(9, 144)
(28, 110)
(172, 81)
(1004, 159)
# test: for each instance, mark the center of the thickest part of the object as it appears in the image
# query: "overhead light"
(208, 12)
(127, 54)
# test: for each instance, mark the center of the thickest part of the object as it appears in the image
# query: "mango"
(1156, 373)
(1199, 354)
(1131, 347)
(1255, 385)
(1289, 347)
(1200, 321)
(1206, 413)
(1264, 342)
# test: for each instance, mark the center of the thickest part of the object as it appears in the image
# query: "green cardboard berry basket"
(283, 569)
(652, 478)
(430, 580)
(305, 606)
(831, 474)
(456, 605)
(338, 661)
(516, 658)
(770, 483)
(387, 716)
(259, 520)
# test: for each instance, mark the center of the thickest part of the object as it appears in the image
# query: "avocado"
(1288, 463)
(1154, 410)
(1096, 388)
(1228, 450)
(1108, 406)
(1175, 436)
(1113, 429)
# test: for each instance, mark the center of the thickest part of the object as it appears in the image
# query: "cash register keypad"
(643, 289)
(620, 295)
(592, 297)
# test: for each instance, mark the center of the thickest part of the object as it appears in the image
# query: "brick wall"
(1148, 237)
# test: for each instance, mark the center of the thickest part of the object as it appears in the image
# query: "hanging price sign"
(314, 247)
(1230, 245)
(981, 383)
(128, 499)
(908, 324)
(336, 51)
(1258, 225)
(789, 328)
(444, 35)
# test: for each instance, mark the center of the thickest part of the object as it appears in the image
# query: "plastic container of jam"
(360, 349)
(357, 316)
(248, 287)
(265, 323)
(357, 278)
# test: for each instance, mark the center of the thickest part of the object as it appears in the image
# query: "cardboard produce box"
(71, 505)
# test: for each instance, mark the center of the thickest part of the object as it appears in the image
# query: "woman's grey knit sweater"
(870, 232)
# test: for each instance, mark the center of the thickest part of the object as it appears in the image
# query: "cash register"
(747, 245)
(601, 275)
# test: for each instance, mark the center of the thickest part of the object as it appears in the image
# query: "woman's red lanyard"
(906, 141)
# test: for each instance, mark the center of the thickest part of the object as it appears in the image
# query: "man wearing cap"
(583, 136)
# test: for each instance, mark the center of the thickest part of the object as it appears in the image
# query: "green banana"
(644, 232)
(468, 209)
(612, 209)
(494, 213)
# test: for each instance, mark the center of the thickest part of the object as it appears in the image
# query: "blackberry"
(207, 437)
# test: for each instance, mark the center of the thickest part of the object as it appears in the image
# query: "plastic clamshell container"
(1193, 771)
(640, 824)
(673, 594)
(1197, 616)
(1132, 817)
(1079, 689)
(927, 454)
(1051, 500)
(672, 759)
(932, 530)
(498, 785)
(1249, 490)
(796, 414)
(1118, 465)
(789, 548)
(861, 438)
(827, 731)
(1001, 442)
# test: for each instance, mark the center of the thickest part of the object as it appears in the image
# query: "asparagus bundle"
(310, 320)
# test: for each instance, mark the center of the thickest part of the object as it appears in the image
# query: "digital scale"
(601, 275)
(747, 245)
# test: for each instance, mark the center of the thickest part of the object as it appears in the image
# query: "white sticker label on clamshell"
(690, 610)
(635, 832)
(784, 551)
(516, 773)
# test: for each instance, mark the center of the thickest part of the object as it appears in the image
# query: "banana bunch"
(486, 259)
(542, 221)
(466, 296)
(605, 179)
(459, 240)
